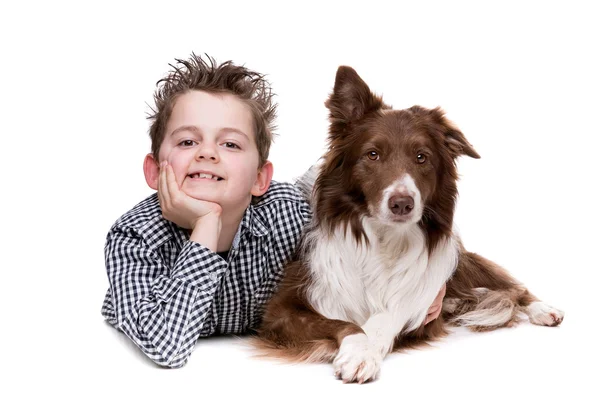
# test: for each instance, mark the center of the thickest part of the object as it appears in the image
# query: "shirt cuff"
(198, 266)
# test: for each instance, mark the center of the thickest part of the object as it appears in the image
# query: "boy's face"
(209, 141)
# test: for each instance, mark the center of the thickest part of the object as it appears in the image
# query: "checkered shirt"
(166, 291)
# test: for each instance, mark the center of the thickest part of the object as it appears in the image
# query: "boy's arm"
(163, 311)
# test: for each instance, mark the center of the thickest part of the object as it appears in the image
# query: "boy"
(204, 254)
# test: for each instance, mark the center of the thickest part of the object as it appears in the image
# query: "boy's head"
(206, 75)
(213, 124)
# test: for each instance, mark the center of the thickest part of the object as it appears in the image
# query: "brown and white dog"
(381, 244)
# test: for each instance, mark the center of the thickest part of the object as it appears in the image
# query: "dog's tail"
(485, 309)
(483, 296)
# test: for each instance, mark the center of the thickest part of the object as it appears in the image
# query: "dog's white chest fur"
(394, 273)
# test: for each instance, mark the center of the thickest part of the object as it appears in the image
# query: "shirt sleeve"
(162, 310)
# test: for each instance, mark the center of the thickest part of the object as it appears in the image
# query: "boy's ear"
(263, 179)
(151, 171)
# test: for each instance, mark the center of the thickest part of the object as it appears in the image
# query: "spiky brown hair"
(206, 74)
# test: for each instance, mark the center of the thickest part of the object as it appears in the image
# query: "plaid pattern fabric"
(166, 291)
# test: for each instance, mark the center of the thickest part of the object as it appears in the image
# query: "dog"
(381, 244)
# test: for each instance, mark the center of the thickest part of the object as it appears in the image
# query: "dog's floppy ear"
(453, 137)
(351, 98)
(457, 142)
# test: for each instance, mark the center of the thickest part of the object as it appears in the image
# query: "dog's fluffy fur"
(381, 244)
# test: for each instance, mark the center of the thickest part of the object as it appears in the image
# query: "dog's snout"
(401, 205)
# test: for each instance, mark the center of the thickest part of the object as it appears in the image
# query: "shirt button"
(213, 276)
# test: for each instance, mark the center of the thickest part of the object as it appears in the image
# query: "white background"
(519, 78)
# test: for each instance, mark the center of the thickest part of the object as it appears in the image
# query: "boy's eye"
(231, 145)
(186, 143)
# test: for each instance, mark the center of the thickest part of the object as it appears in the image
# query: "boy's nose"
(207, 153)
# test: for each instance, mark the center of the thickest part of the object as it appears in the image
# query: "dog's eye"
(421, 158)
(373, 155)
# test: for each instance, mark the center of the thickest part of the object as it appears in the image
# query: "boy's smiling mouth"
(204, 175)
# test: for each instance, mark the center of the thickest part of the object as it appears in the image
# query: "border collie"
(381, 244)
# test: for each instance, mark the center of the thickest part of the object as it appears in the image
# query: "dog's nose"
(401, 205)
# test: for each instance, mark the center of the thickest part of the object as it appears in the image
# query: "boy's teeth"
(207, 176)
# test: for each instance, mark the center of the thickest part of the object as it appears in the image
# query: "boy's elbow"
(166, 356)
(177, 361)
(170, 364)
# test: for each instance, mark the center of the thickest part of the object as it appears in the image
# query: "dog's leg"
(483, 296)
(406, 309)
(383, 331)
(361, 355)
(358, 359)
(540, 313)
(292, 330)
(297, 333)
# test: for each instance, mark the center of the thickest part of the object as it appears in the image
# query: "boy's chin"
(211, 196)
(204, 197)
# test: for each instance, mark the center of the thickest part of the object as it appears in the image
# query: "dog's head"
(396, 166)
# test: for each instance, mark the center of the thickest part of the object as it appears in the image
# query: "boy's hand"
(436, 308)
(177, 206)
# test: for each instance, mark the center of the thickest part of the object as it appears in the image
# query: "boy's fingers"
(433, 314)
(437, 303)
(441, 294)
(428, 319)
(159, 186)
(436, 308)
(172, 186)
(163, 192)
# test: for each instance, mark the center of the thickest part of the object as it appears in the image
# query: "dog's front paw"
(543, 314)
(357, 360)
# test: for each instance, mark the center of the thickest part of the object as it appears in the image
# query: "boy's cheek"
(180, 179)
(178, 166)
(168, 153)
